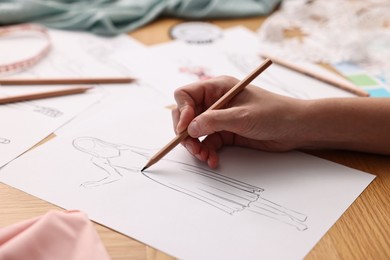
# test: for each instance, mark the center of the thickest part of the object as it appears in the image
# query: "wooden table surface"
(363, 232)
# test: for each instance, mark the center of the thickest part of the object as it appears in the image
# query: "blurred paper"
(73, 54)
(170, 65)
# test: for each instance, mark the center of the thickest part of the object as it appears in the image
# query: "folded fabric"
(113, 17)
(58, 235)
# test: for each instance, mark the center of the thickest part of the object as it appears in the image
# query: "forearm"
(360, 124)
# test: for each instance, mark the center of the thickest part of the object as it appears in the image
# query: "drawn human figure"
(222, 192)
(4, 140)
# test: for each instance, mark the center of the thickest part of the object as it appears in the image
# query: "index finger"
(195, 98)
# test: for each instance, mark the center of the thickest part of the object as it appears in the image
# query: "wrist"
(326, 123)
(299, 124)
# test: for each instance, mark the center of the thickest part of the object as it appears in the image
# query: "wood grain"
(363, 231)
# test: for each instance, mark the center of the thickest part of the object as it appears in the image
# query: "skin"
(262, 120)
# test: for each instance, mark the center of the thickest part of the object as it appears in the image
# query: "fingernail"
(178, 126)
(193, 129)
(189, 148)
(198, 156)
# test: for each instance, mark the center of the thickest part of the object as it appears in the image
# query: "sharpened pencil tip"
(143, 169)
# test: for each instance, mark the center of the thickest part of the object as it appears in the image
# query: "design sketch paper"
(177, 63)
(75, 54)
(24, 124)
(224, 193)
(237, 54)
(255, 206)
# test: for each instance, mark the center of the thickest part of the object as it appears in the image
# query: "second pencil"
(40, 95)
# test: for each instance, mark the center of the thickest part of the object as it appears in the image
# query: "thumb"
(212, 121)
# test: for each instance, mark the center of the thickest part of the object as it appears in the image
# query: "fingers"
(181, 117)
(175, 118)
(195, 98)
(204, 92)
(192, 100)
(213, 121)
(204, 151)
(207, 150)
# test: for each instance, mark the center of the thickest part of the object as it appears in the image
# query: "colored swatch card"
(374, 85)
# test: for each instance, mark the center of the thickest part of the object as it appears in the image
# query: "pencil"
(339, 84)
(47, 94)
(217, 105)
(54, 81)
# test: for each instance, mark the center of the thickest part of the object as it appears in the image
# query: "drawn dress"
(219, 191)
(222, 192)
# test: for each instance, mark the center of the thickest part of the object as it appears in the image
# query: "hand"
(255, 118)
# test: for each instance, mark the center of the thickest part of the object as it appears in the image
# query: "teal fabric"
(110, 17)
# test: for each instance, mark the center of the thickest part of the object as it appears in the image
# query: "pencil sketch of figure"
(32, 106)
(222, 192)
(42, 110)
(4, 140)
(48, 111)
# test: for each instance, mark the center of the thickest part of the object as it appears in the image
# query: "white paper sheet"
(255, 206)
(237, 54)
(73, 54)
(171, 65)
(24, 124)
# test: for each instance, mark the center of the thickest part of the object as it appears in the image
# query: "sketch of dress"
(4, 140)
(222, 192)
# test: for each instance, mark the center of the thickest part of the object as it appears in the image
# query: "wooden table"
(363, 232)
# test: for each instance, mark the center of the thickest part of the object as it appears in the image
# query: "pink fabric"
(58, 235)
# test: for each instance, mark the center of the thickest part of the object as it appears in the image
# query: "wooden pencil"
(54, 81)
(47, 94)
(217, 105)
(339, 84)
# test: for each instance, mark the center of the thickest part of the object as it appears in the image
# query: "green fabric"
(112, 17)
